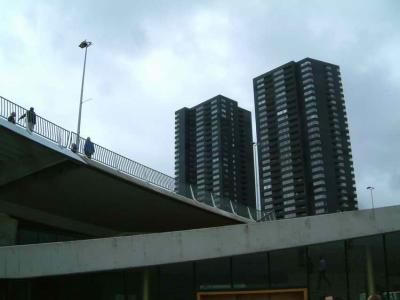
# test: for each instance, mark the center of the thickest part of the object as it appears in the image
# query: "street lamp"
(371, 188)
(256, 175)
(84, 45)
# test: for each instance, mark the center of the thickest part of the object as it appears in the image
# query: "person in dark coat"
(322, 267)
(11, 118)
(74, 148)
(89, 148)
(31, 119)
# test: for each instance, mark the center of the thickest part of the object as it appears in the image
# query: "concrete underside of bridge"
(42, 182)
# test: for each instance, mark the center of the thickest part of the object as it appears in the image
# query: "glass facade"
(34, 233)
(350, 269)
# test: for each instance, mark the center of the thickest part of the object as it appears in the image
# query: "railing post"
(67, 142)
(191, 191)
(116, 162)
(250, 216)
(233, 210)
(59, 139)
(212, 200)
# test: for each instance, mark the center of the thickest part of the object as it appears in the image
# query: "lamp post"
(371, 188)
(84, 45)
(256, 175)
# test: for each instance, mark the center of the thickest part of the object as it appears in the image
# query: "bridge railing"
(43, 127)
(126, 165)
(65, 138)
(224, 203)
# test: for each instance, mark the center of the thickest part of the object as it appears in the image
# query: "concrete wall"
(170, 247)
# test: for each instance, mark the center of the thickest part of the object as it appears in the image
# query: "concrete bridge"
(43, 181)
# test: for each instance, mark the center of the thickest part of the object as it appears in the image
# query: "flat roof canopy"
(115, 253)
(38, 177)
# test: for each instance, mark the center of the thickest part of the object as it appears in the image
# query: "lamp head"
(85, 44)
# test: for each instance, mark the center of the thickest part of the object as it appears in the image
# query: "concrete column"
(146, 284)
(8, 230)
(370, 271)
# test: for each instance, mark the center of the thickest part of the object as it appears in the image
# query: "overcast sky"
(151, 58)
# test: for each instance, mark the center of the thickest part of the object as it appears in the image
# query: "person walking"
(30, 118)
(89, 148)
(11, 118)
(322, 267)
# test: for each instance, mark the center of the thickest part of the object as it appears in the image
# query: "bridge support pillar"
(146, 284)
(8, 230)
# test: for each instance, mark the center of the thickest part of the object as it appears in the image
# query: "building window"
(333, 254)
(305, 64)
(310, 111)
(288, 267)
(288, 195)
(316, 143)
(320, 189)
(282, 124)
(289, 208)
(261, 102)
(306, 69)
(320, 196)
(310, 98)
(288, 202)
(260, 80)
(279, 89)
(316, 162)
(309, 80)
(313, 116)
(288, 181)
(286, 162)
(313, 129)
(281, 106)
(318, 182)
(309, 86)
(283, 136)
(307, 93)
(249, 270)
(312, 123)
(280, 100)
(220, 277)
(282, 118)
(287, 175)
(311, 104)
(318, 176)
(278, 73)
(280, 94)
(317, 169)
(358, 252)
(281, 112)
(314, 136)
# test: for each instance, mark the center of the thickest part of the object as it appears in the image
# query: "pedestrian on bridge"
(89, 148)
(11, 118)
(30, 118)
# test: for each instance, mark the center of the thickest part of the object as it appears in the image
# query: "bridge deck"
(43, 182)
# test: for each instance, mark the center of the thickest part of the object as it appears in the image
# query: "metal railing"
(65, 139)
